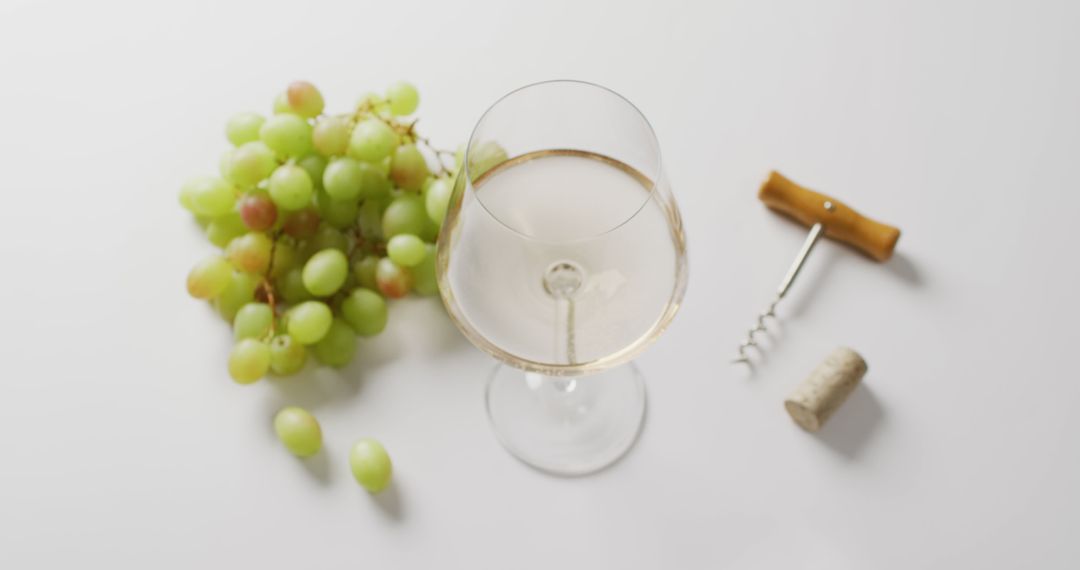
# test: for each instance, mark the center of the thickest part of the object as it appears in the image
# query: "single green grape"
(291, 287)
(299, 431)
(257, 211)
(369, 218)
(209, 277)
(208, 196)
(364, 269)
(223, 229)
(437, 199)
(304, 99)
(370, 465)
(250, 252)
(286, 355)
(287, 134)
(249, 361)
(309, 321)
(374, 184)
(484, 156)
(315, 165)
(340, 214)
(338, 346)
(243, 128)
(325, 272)
(366, 311)
(343, 178)
(406, 250)
(331, 136)
(405, 215)
(403, 98)
(328, 237)
(253, 320)
(291, 187)
(408, 167)
(425, 279)
(285, 258)
(239, 292)
(393, 280)
(372, 140)
(251, 163)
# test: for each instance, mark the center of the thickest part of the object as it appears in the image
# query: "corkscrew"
(824, 216)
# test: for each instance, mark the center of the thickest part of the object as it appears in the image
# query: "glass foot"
(567, 426)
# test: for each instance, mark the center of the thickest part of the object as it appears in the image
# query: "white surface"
(126, 445)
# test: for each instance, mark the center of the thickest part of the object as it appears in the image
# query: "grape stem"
(268, 288)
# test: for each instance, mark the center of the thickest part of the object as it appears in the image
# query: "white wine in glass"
(563, 255)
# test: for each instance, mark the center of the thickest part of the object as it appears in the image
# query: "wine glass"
(563, 255)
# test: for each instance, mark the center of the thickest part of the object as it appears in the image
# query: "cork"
(817, 397)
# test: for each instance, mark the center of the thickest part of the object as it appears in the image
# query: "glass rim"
(654, 180)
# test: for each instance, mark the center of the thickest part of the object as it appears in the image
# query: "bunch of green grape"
(320, 219)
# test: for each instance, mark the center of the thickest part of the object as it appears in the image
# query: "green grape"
(281, 104)
(302, 224)
(405, 215)
(426, 282)
(369, 218)
(285, 258)
(342, 179)
(299, 431)
(485, 156)
(304, 99)
(405, 250)
(374, 184)
(250, 252)
(309, 321)
(249, 361)
(208, 196)
(243, 128)
(431, 230)
(325, 272)
(408, 168)
(291, 287)
(251, 163)
(364, 270)
(391, 279)
(291, 187)
(338, 346)
(239, 292)
(223, 229)
(209, 277)
(286, 355)
(372, 140)
(327, 237)
(331, 136)
(287, 134)
(338, 213)
(253, 320)
(403, 98)
(370, 465)
(365, 310)
(437, 200)
(315, 165)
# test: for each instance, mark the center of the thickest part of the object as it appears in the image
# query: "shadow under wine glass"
(563, 255)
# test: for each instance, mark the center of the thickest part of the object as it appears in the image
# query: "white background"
(125, 444)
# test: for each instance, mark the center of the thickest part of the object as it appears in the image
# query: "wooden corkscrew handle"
(841, 223)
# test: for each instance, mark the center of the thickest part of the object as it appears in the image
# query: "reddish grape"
(258, 212)
(393, 280)
(302, 224)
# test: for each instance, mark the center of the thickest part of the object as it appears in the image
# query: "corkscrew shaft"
(796, 266)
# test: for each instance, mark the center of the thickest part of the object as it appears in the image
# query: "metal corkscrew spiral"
(796, 266)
